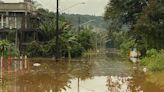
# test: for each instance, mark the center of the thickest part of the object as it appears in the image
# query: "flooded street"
(81, 45)
(98, 74)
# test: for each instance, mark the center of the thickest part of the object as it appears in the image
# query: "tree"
(150, 25)
(122, 15)
(122, 12)
(142, 19)
(86, 38)
(47, 25)
(71, 43)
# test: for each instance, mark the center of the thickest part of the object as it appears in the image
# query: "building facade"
(16, 15)
(18, 18)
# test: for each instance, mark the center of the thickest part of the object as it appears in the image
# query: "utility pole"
(57, 54)
(57, 31)
(79, 26)
(16, 38)
(78, 84)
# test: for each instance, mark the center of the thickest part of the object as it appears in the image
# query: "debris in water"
(36, 64)
(144, 69)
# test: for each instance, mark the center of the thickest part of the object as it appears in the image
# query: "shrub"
(154, 60)
(8, 49)
(151, 53)
(126, 45)
(12, 50)
(77, 50)
(35, 49)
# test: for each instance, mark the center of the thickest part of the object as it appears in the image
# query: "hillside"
(96, 21)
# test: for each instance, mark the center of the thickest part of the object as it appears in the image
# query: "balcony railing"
(17, 7)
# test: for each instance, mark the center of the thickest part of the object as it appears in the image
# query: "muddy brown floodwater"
(98, 74)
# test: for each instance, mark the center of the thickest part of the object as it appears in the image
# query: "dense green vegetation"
(8, 49)
(139, 24)
(72, 42)
(154, 60)
(42, 42)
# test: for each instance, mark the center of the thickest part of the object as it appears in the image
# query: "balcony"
(17, 7)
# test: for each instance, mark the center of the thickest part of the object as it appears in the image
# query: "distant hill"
(96, 21)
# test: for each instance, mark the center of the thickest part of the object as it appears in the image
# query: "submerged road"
(95, 74)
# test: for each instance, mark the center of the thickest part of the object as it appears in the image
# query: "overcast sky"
(92, 7)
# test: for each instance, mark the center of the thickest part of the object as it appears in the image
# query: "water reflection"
(142, 82)
(98, 75)
(9, 70)
(118, 84)
(49, 77)
(137, 82)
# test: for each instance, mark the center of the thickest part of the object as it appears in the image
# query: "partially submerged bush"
(151, 53)
(35, 49)
(154, 60)
(13, 50)
(8, 49)
(126, 45)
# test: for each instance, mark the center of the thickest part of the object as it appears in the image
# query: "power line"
(48, 3)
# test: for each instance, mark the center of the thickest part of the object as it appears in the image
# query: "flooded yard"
(98, 74)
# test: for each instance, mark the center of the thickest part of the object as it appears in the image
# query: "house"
(16, 15)
(19, 18)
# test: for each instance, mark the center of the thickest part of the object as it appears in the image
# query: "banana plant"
(4, 46)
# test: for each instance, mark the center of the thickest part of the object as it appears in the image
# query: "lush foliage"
(154, 60)
(86, 38)
(4, 47)
(72, 43)
(125, 45)
(149, 25)
(35, 49)
(8, 49)
(141, 20)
